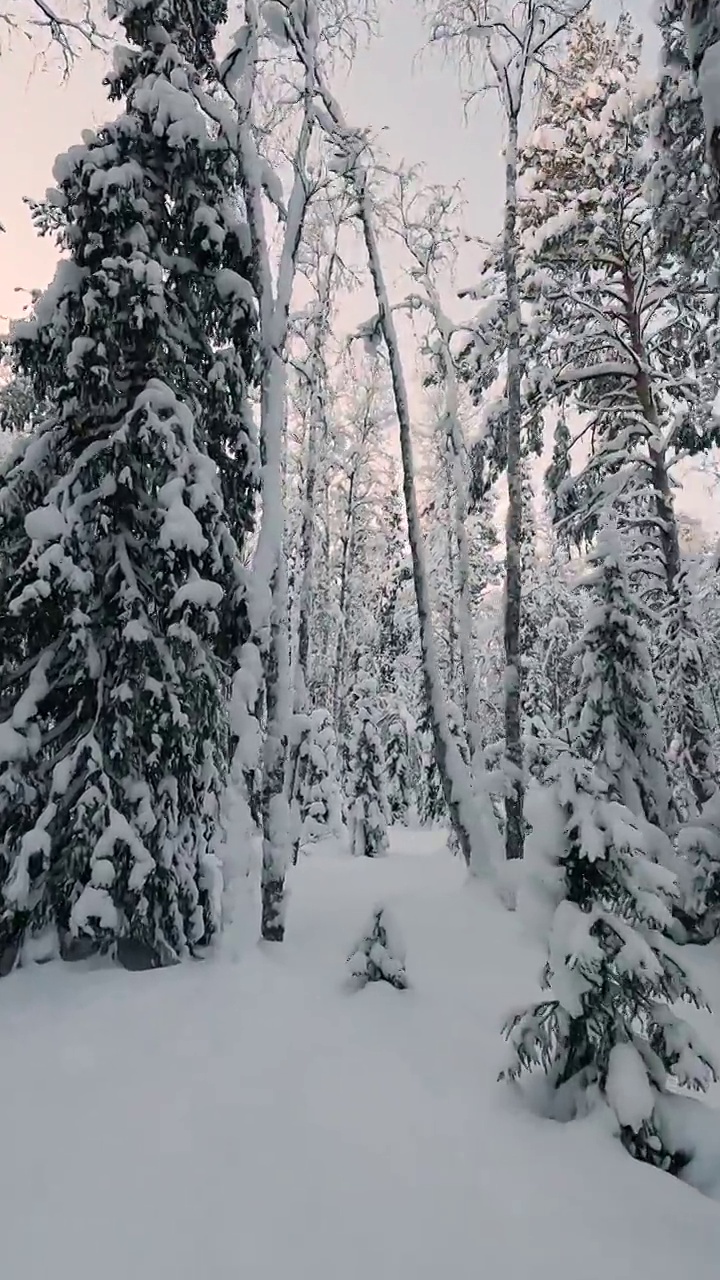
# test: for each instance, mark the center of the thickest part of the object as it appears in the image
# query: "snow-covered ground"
(250, 1116)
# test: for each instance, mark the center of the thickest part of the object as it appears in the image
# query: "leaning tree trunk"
(455, 777)
(515, 799)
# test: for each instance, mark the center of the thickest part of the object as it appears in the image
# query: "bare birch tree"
(426, 225)
(294, 27)
(240, 74)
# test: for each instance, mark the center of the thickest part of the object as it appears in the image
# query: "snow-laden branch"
(501, 45)
(66, 33)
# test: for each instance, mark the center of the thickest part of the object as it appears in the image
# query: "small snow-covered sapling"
(379, 956)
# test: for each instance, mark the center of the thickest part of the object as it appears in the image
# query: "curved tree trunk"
(456, 779)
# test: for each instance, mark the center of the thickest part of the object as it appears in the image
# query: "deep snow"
(251, 1116)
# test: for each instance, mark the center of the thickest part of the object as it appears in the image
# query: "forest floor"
(250, 1116)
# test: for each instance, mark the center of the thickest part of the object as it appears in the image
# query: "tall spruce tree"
(614, 712)
(368, 810)
(608, 1021)
(121, 596)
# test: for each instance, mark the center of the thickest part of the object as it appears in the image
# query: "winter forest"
(360, 678)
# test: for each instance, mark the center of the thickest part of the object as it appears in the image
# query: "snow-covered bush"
(607, 1024)
(380, 953)
(369, 815)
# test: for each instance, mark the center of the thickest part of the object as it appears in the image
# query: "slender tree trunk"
(660, 481)
(345, 563)
(514, 802)
(307, 559)
(452, 629)
(274, 805)
(305, 593)
(455, 777)
(322, 666)
(457, 477)
(317, 418)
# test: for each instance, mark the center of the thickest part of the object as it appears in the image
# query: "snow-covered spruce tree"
(614, 717)
(681, 183)
(400, 755)
(379, 956)
(607, 1023)
(685, 665)
(315, 786)
(431, 800)
(121, 601)
(699, 846)
(19, 409)
(702, 28)
(368, 811)
(625, 333)
(625, 324)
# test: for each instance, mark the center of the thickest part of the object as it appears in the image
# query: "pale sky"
(414, 100)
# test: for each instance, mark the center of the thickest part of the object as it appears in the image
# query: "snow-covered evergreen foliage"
(684, 665)
(401, 757)
(368, 810)
(681, 183)
(699, 846)
(121, 595)
(430, 801)
(607, 1022)
(702, 32)
(614, 714)
(316, 788)
(620, 341)
(379, 955)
